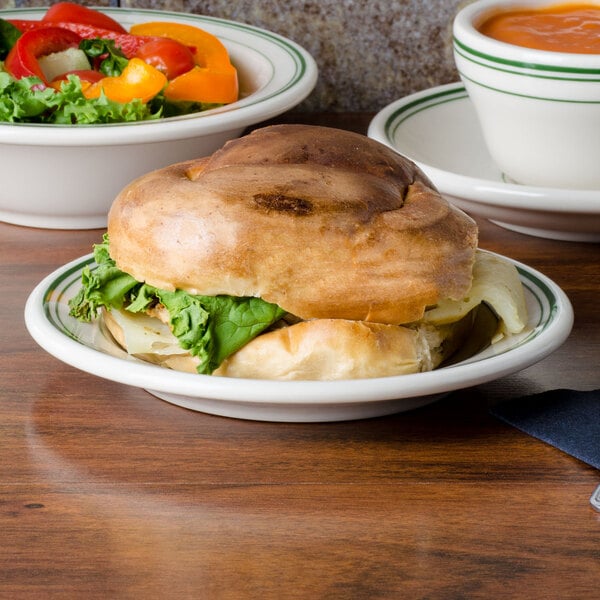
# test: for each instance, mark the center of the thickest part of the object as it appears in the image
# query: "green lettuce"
(209, 327)
(26, 100)
(113, 61)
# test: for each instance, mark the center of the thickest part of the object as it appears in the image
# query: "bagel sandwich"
(296, 252)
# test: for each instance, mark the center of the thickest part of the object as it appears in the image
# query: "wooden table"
(108, 492)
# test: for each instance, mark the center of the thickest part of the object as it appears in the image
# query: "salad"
(77, 65)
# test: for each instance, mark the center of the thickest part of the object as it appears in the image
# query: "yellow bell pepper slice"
(139, 80)
(202, 85)
(214, 79)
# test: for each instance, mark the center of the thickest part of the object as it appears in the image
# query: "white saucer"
(88, 347)
(438, 129)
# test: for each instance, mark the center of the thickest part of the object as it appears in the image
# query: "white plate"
(438, 129)
(87, 346)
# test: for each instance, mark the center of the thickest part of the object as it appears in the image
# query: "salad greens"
(113, 60)
(209, 327)
(27, 100)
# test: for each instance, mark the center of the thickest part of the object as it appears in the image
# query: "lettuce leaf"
(209, 327)
(113, 61)
(106, 286)
(26, 100)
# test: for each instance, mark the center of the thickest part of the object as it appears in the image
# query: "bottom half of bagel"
(319, 349)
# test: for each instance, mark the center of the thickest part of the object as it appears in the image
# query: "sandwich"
(296, 253)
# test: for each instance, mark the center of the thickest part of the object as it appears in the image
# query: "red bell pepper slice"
(22, 61)
(67, 12)
(24, 25)
(128, 43)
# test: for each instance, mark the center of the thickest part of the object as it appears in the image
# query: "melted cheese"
(495, 282)
(143, 334)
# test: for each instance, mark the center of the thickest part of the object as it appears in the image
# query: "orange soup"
(570, 27)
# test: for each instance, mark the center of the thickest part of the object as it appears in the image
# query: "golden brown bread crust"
(331, 349)
(323, 222)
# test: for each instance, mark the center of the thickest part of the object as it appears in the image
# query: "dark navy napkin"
(566, 419)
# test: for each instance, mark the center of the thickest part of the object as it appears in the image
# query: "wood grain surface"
(108, 492)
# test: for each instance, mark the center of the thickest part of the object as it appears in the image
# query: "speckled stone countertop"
(369, 53)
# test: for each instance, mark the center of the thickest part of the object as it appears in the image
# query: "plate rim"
(285, 394)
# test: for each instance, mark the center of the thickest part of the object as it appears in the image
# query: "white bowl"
(66, 177)
(539, 110)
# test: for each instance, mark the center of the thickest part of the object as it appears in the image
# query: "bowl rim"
(468, 39)
(257, 106)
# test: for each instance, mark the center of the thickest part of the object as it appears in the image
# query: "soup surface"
(570, 27)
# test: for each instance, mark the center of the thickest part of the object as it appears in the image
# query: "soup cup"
(539, 110)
